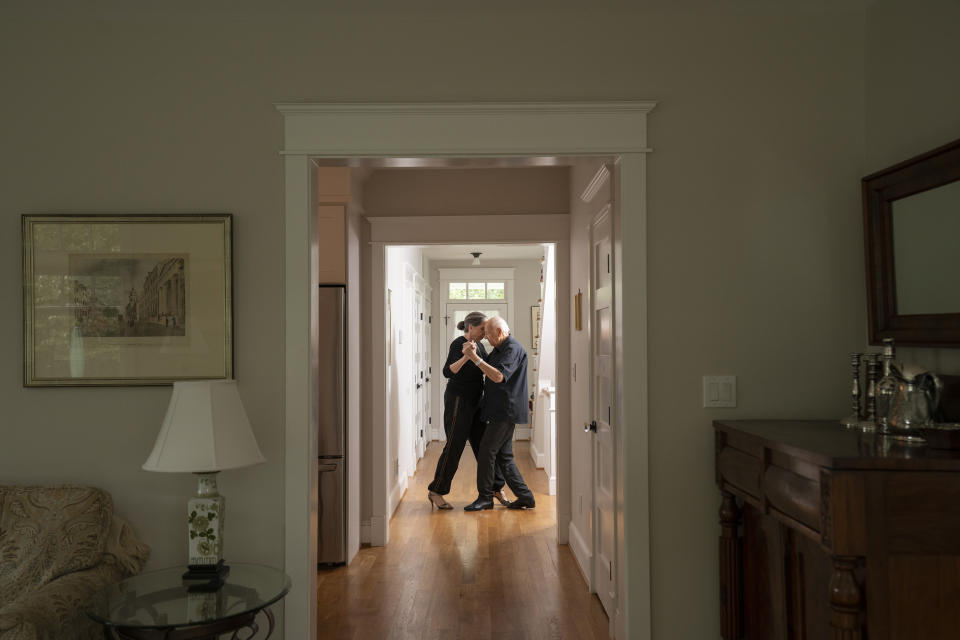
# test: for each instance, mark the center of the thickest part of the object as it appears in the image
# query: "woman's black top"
(470, 378)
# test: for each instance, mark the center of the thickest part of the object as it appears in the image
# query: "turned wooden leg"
(731, 569)
(845, 600)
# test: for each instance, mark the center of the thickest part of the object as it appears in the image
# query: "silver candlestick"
(853, 421)
(873, 376)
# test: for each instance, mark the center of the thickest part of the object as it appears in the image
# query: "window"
(476, 291)
(458, 291)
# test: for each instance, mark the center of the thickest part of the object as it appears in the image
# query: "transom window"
(476, 291)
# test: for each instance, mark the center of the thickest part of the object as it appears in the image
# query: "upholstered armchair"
(59, 545)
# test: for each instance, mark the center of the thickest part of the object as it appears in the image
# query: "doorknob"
(590, 426)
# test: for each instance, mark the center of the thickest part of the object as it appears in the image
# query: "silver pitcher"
(915, 403)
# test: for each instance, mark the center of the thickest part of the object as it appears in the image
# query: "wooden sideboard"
(832, 534)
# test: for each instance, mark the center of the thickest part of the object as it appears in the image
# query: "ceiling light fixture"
(476, 258)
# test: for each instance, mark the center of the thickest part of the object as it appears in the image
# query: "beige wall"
(755, 257)
(425, 192)
(912, 102)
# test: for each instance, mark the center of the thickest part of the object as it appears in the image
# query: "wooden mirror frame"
(927, 171)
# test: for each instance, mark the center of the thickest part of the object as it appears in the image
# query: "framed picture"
(535, 327)
(126, 299)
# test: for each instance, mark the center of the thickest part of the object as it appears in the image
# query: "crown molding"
(498, 108)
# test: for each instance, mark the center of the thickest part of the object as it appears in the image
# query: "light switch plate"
(719, 391)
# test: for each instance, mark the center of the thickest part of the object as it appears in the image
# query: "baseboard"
(539, 459)
(617, 628)
(378, 531)
(523, 433)
(397, 494)
(364, 532)
(582, 553)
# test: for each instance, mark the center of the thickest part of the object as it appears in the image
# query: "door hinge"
(429, 319)
(611, 570)
(609, 416)
(430, 420)
(421, 315)
(608, 263)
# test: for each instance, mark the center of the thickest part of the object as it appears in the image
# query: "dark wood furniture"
(832, 534)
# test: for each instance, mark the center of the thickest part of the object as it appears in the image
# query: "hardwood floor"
(453, 574)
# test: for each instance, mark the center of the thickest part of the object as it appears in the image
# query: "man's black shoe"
(480, 504)
(522, 503)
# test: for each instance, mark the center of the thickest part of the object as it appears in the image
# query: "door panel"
(603, 411)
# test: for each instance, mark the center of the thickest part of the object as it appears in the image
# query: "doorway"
(356, 131)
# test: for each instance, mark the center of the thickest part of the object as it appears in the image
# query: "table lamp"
(204, 432)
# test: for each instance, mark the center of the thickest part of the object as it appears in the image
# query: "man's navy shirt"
(506, 401)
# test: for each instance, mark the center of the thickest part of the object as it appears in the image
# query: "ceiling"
(488, 251)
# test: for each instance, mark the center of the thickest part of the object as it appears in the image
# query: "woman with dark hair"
(461, 411)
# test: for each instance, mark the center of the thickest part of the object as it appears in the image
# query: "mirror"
(912, 233)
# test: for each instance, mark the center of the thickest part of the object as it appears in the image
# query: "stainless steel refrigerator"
(331, 425)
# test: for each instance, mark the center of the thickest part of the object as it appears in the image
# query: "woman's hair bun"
(460, 325)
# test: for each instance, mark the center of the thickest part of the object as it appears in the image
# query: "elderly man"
(504, 405)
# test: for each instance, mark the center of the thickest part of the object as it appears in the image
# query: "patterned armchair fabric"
(58, 545)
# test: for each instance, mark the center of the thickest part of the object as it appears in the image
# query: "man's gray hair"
(496, 322)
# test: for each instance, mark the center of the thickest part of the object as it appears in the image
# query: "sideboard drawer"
(793, 495)
(740, 470)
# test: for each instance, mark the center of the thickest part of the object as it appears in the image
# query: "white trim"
(598, 180)
(463, 130)
(365, 532)
(396, 496)
(582, 554)
(299, 441)
(538, 457)
(378, 528)
(523, 433)
(512, 109)
(477, 274)
(380, 509)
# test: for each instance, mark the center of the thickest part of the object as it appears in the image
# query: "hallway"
(452, 574)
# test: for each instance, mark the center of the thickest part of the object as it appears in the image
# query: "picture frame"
(127, 300)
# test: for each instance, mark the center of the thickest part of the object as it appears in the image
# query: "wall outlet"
(719, 391)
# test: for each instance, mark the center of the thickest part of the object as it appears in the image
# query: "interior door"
(603, 410)
(420, 370)
(427, 350)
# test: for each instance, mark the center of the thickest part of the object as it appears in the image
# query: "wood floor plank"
(457, 575)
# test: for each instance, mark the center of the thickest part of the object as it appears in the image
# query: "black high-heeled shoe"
(502, 498)
(436, 500)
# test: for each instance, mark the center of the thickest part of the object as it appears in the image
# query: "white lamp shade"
(205, 429)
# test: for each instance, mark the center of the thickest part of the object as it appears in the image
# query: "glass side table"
(156, 604)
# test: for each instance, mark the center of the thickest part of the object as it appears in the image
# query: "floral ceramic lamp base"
(205, 529)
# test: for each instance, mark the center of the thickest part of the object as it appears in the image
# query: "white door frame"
(485, 129)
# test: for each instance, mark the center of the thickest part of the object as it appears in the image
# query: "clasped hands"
(470, 350)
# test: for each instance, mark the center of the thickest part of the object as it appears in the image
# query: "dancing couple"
(483, 412)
